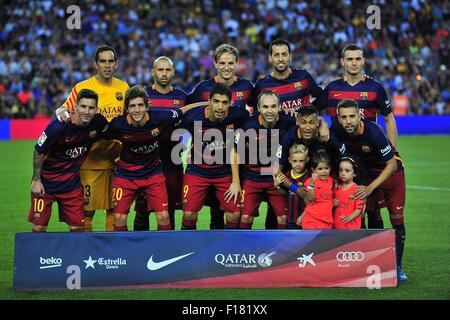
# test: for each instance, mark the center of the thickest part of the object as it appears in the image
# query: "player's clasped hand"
(233, 191)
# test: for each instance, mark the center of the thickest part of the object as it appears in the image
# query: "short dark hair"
(307, 110)
(351, 47)
(279, 42)
(222, 89)
(347, 103)
(269, 93)
(87, 94)
(136, 92)
(320, 156)
(104, 48)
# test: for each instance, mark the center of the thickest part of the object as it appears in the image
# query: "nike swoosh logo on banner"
(151, 265)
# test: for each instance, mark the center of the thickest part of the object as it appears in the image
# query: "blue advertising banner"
(203, 258)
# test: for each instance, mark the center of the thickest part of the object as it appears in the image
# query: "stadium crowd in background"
(41, 59)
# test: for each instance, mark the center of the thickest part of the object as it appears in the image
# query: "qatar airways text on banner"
(213, 259)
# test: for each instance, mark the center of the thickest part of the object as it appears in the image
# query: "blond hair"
(225, 48)
(298, 148)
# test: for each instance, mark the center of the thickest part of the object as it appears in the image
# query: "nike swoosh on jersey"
(151, 265)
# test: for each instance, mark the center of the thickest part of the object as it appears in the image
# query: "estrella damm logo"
(298, 86)
(119, 96)
(155, 132)
(364, 95)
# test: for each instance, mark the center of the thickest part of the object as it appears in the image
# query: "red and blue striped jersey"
(368, 93)
(209, 156)
(140, 157)
(66, 146)
(334, 147)
(296, 204)
(294, 91)
(241, 89)
(173, 99)
(255, 144)
(371, 147)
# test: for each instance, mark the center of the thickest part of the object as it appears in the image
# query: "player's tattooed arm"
(38, 160)
(36, 185)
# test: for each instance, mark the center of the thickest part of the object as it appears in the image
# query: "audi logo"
(350, 256)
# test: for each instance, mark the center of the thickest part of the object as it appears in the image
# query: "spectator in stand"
(35, 41)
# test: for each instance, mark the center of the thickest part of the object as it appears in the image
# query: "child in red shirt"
(348, 210)
(318, 213)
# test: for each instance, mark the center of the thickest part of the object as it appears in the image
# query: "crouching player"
(298, 158)
(58, 156)
(139, 167)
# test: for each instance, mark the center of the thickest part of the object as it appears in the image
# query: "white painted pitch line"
(426, 164)
(428, 188)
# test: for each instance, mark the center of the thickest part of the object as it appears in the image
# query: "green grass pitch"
(426, 259)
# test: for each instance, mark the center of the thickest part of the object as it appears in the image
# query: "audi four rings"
(350, 256)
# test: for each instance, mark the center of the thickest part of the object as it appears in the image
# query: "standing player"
(162, 95)
(257, 177)
(226, 59)
(367, 141)
(368, 93)
(208, 165)
(59, 153)
(139, 166)
(371, 98)
(96, 172)
(293, 86)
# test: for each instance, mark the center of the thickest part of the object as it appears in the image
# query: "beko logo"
(51, 262)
